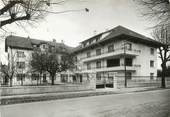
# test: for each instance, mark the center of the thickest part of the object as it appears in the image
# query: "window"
(113, 62)
(111, 48)
(98, 64)
(129, 75)
(151, 63)
(98, 51)
(21, 65)
(98, 76)
(88, 66)
(151, 76)
(128, 61)
(88, 54)
(152, 51)
(43, 46)
(20, 77)
(128, 46)
(35, 76)
(20, 54)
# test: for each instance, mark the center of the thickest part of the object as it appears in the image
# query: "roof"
(120, 33)
(27, 43)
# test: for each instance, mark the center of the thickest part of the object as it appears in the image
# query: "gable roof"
(27, 43)
(120, 33)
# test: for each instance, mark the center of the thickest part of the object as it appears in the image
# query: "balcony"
(115, 53)
(132, 68)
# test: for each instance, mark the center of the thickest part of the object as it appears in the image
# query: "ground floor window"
(151, 76)
(20, 77)
(64, 77)
(129, 75)
(35, 76)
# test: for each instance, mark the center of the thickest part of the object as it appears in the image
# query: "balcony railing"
(111, 53)
(121, 67)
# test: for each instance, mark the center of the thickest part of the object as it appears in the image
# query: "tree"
(27, 10)
(38, 62)
(155, 10)
(67, 62)
(21, 10)
(162, 35)
(11, 69)
(52, 65)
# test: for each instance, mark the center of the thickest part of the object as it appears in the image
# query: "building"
(20, 51)
(118, 51)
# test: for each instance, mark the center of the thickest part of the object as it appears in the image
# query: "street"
(140, 104)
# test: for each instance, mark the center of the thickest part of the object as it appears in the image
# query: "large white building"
(118, 51)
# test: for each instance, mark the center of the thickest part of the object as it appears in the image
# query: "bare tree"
(67, 62)
(162, 34)
(27, 10)
(11, 69)
(38, 62)
(155, 10)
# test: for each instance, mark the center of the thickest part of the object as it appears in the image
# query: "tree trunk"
(21, 81)
(163, 83)
(52, 79)
(10, 82)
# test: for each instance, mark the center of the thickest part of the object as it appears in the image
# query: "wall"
(46, 89)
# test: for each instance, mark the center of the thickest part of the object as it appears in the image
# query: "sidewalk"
(54, 96)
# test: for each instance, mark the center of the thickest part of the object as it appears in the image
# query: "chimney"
(62, 41)
(54, 40)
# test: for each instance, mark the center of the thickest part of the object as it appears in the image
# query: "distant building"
(20, 51)
(121, 51)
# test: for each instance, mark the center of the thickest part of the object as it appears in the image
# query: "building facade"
(20, 52)
(119, 51)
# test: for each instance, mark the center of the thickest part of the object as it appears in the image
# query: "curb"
(28, 99)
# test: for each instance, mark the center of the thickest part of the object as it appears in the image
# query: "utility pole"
(125, 63)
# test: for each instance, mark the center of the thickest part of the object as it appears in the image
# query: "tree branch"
(9, 21)
(10, 5)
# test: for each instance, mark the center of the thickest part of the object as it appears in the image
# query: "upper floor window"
(113, 62)
(111, 48)
(98, 64)
(151, 63)
(98, 76)
(98, 51)
(44, 46)
(88, 66)
(20, 54)
(128, 61)
(128, 46)
(152, 51)
(88, 54)
(21, 65)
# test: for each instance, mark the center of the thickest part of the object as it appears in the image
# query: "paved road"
(141, 104)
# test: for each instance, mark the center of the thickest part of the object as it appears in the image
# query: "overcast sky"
(75, 27)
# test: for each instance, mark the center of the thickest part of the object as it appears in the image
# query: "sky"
(74, 27)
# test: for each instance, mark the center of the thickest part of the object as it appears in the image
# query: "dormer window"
(20, 54)
(44, 46)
